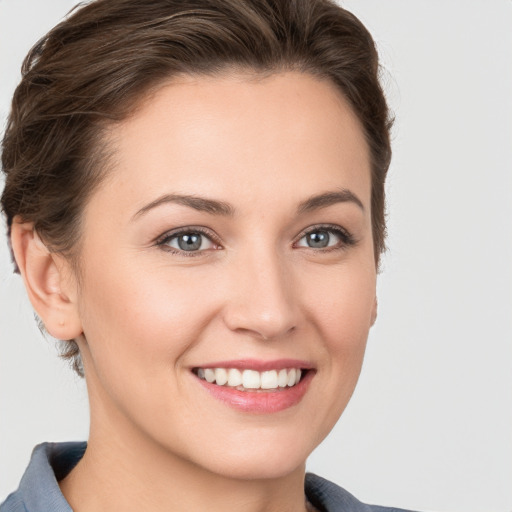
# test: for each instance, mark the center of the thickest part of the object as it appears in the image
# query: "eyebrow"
(327, 199)
(201, 204)
(216, 207)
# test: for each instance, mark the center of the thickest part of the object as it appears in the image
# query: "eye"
(187, 241)
(326, 237)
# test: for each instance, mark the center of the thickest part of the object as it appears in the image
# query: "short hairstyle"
(94, 68)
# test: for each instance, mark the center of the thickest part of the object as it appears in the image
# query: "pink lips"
(258, 401)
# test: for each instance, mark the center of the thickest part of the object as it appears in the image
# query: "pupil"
(189, 242)
(318, 239)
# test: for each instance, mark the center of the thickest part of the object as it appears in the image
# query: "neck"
(121, 470)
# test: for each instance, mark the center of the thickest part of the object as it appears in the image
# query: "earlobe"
(48, 281)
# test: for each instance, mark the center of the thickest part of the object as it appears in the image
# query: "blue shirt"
(39, 489)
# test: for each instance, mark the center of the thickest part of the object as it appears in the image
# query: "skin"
(144, 316)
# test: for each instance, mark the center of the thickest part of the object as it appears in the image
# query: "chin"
(259, 468)
(259, 458)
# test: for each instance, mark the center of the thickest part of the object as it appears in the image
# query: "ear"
(374, 311)
(49, 280)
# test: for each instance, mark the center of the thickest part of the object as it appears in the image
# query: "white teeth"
(234, 377)
(269, 380)
(291, 377)
(221, 376)
(251, 379)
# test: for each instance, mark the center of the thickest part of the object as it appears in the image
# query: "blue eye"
(326, 237)
(193, 241)
(187, 241)
(318, 239)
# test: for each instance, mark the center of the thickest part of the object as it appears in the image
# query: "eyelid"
(163, 239)
(347, 239)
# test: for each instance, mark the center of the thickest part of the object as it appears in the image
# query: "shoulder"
(13, 503)
(39, 488)
(329, 497)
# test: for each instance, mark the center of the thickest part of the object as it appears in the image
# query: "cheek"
(138, 330)
(140, 319)
(343, 306)
(342, 313)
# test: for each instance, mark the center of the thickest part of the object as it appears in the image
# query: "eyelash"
(167, 237)
(347, 239)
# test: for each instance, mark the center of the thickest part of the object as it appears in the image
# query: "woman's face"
(233, 232)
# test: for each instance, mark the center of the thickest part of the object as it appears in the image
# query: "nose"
(262, 300)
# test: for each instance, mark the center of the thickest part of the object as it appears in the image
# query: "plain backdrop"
(430, 424)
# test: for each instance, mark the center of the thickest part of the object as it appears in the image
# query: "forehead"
(240, 136)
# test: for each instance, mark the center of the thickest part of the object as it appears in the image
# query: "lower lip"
(263, 402)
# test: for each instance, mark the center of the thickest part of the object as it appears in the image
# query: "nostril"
(262, 309)
(266, 332)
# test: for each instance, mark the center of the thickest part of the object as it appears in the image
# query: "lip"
(260, 402)
(258, 365)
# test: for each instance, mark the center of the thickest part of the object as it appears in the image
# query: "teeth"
(221, 376)
(234, 377)
(251, 379)
(282, 378)
(269, 380)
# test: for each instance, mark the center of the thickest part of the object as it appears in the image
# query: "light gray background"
(430, 425)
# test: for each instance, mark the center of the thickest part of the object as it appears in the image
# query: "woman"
(195, 198)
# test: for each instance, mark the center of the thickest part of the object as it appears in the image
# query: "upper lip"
(259, 365)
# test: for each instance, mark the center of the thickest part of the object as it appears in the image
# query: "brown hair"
(93, 69)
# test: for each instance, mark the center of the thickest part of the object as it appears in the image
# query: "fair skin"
(272, 280)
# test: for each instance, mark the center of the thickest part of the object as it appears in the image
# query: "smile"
(251, 380)
(252, 386)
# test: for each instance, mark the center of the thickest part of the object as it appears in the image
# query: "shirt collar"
(50, 462)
